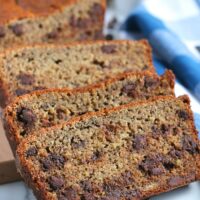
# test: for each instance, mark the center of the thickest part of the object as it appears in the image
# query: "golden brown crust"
(11, 125)
(12, 10)
(38, 186)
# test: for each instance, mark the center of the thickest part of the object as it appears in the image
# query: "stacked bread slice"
(54, 21)
(103, 125)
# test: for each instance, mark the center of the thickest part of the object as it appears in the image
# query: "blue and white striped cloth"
(168, 46)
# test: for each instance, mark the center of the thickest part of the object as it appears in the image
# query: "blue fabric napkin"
(168, 46)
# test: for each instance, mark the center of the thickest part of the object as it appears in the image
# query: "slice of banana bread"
(28, 21)
(46, 108)
(73, 65)
(129, 152)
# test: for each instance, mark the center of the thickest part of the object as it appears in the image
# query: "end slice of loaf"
(130, 152)
(28, 22)
(46, 108)
(25, 69)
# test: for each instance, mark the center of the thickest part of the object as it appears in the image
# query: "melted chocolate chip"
(31, 152)
(46, 164)
(165, 129)
(150, 82)
(2, 32)
(18, 29)
(175, 153)
(26, 116)
(190, 145)
(175, 181)
(130, 90)
(80, 23)
(139, 142)
(183, 114)
(68, 194)
(127, 177)
(61, 114)
(58, 160)
(108, 49)
(26, 79)
(131, 194)
(21, 91)
(55, 182)
(112, 190)
(152, 165)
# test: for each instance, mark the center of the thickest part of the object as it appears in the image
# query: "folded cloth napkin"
(168, 46)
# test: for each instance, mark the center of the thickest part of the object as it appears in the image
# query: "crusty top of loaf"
(14, 10)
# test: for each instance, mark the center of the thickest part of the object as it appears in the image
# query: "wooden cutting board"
(8, 172)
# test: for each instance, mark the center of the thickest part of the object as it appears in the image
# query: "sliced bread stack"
(106, 127)
(25, 22)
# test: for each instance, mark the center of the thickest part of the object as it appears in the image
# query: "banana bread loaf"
(130, 152)
(46, 108)
(29, 21)
(73, 65)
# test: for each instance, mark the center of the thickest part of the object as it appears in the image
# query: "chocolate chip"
(131, 194)
(68, 194)
(17, 29)
(108, 49)
(157, 171)
(46, 164)
(77, 142)
(150, 82)
(139, 142)
(26, 116)
(21, 91)
(130, 90)
(61, 114)
(58, 160)
(127, 177)
(55, 182)
(151, 165)
(31, 152)
(190, 145)
(175, 181)
(26, 79)
(112, 190)
(165, 129)
(183, 114)
(175, 153)
(80, 23)
(2, 32)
